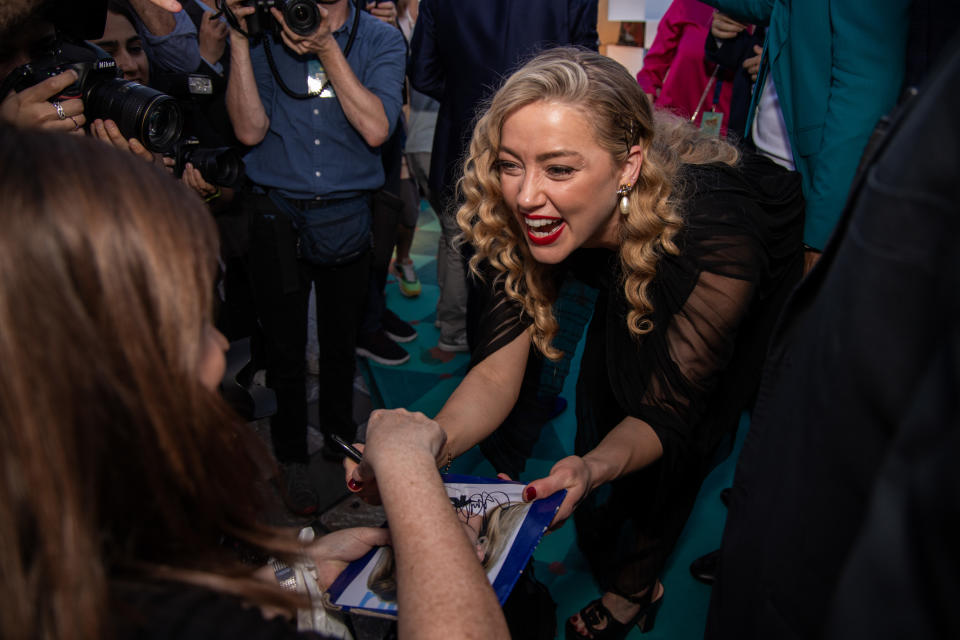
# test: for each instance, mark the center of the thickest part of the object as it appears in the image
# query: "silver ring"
(60, 113)
(76, 125)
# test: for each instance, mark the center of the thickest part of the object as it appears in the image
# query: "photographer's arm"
(169, 5)
(159, 21)
(362, 107)
(169, 39)
(244, 106)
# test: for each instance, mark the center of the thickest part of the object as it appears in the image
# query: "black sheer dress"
(714, 307)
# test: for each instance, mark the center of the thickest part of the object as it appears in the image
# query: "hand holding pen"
(394, 437)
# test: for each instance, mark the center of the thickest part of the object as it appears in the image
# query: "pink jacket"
(678, 49)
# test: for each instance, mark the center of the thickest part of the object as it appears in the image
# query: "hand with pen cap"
(394, 437)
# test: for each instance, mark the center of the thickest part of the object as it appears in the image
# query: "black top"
(691, 376)
(168, 611)
(740, 253)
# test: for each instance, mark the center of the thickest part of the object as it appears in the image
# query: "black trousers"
(281, 286)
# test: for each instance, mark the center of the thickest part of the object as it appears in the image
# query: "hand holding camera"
(32, 106)
(304, 34)
(108, 131)
(212, 37)
(238, 12)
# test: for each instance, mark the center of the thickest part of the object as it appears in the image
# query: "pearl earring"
(624, 194)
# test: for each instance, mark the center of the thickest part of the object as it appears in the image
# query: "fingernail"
(354, 485)
(529, 494)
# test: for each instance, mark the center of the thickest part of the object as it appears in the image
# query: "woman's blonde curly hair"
(622, 116)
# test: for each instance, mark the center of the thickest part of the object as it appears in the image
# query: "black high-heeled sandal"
(601, 625)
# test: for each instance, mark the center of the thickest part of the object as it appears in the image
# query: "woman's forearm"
(484, 398)
(630, 446)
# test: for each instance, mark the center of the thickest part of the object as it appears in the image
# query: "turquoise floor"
(424, 383)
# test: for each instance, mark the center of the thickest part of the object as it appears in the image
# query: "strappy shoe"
(600, 624)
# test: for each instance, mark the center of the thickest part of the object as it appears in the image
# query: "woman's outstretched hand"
(394, 437)
(570, 473)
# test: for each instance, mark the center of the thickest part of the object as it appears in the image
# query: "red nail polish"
(354, 485)
(529, 494)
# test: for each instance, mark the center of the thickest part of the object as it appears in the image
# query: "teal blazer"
(838, 66)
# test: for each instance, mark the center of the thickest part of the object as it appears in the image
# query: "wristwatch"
(286, 575)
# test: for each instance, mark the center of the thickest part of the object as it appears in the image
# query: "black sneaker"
(381, 349)
(396, 329)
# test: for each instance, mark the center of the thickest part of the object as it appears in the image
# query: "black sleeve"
(168, 610)
(741, 234)
(501, 319)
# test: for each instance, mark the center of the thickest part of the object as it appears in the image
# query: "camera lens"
(223, 165)
(153, 118)
(301, 16)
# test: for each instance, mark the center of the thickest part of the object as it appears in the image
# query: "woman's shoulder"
(751, 188)
(749, 213)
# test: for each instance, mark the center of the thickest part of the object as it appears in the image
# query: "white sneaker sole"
(401, 339)
(380, 359)
(452, 348)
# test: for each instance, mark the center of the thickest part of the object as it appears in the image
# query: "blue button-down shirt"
(311, 149)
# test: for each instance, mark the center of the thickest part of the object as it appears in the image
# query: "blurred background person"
(829, 71)
(676, 75)
(736, 47)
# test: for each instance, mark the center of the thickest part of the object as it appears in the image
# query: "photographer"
(31, 108)
(315, 162)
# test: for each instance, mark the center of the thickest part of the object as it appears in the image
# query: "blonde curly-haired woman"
(692, 249)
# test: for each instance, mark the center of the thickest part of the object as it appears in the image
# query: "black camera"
(153, 118)
(222, 165)
(301, 16)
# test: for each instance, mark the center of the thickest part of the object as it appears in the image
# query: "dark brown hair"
(117, 463)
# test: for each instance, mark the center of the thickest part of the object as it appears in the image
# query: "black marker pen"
(351, 452)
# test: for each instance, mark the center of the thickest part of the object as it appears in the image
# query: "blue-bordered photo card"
(503, 528)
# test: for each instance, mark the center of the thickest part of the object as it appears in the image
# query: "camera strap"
(296, 95)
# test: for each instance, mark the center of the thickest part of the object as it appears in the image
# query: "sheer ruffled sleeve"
(735, 252)
(500, 318)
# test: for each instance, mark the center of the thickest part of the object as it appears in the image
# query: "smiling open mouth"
(543, 230)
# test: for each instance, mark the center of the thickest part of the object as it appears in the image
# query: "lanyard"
(706, 90)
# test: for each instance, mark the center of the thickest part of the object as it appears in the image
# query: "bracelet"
(286, 576)
(446, 467)
(216, 194)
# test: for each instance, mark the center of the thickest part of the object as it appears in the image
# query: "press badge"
(317, 84)
(711, 122)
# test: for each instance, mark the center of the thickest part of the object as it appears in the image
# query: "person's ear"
(631, 166)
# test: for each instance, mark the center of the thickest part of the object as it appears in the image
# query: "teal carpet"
(428, 378)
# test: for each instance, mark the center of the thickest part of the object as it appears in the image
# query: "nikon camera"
(153, 118)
